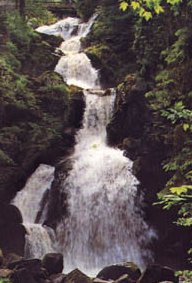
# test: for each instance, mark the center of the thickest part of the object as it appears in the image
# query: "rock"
(9, 214)
(98, 280)
(76, 276)
(10, 258)
(114, 272)
(23, 275)
(12, 238)
(10, 224)
(34, 266)
(5, 273)
(124, 279)
(157, 273)
(53, 263)
(127, 120)
(57, 278)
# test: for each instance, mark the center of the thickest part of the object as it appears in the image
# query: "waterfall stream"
(30, 202)
(105, 224)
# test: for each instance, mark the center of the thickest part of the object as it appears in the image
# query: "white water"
(105, 223)
(29, 201)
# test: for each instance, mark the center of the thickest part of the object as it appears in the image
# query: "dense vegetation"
(35, 103)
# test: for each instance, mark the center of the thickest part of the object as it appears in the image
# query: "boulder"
(115, 272)
(23, 275)
(34, 266)
(157, 273)
(9, 214)
(76, 276)
(10, 224)
(53, 263)
(12, 238)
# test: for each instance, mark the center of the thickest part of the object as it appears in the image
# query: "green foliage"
(185, 276)
(85, 8)
(37, 15)
(20, 33)
(4, 280)
(179, 114)
(177, 53)
(147, 8)
(180, 197)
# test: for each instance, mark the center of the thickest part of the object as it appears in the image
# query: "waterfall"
(104, 224)
(29, 200)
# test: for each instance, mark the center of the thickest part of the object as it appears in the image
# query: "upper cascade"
(75, 67)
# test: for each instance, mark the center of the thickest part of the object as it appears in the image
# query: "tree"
(147, 8)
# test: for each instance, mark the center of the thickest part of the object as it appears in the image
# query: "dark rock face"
(57, 200)
(9, 214)
(53, 263)
(157, 273)
(114, 272)
(130, 111)
(28, 271)
(12, 236)
(131, 130)
(22, 276)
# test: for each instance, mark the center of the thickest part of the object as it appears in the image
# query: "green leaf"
(147, 15)
(123, 6)
(135, 5)
(186, 127)
(158, 9)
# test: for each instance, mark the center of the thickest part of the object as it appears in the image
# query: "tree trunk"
(22, 8)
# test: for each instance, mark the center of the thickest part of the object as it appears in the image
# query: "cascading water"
(30, 202)
(104, 224)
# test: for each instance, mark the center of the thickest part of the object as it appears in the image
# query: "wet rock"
(98, 280)
(9, 214)
(114, 272)
(127, 120)
(76, 276)
(57, 278)
(23, 275)
(156, 273)
(34, 266)
(10, 258)
(12, 238)
(53, 263)
(124, 279)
